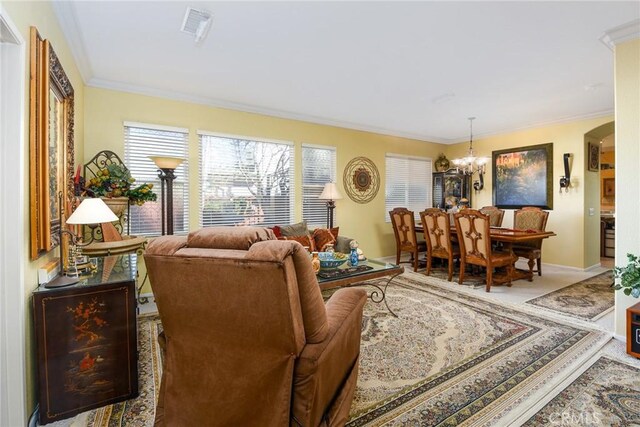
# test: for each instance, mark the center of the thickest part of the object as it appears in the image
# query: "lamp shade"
(330, 192)
(92, 211)
(167, 162)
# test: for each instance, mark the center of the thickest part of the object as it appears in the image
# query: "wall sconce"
(565, 181)
(479, 184)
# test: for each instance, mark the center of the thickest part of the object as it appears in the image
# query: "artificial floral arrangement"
(115, 181)
(629, 276)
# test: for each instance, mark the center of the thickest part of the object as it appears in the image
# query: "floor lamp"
(330, 193)
(166, 167)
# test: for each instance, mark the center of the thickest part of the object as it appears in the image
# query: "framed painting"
(593, 157)
(51, 145)
(609, 187)
(523, 177)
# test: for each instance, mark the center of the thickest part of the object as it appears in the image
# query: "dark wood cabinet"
(449, 187)
(86, 341)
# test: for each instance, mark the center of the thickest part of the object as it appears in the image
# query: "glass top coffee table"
(346, 276)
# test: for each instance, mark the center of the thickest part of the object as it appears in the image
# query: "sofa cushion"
(306, 240)
(228, 237)
(299, 229)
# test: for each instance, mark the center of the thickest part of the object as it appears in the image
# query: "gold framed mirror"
(51, 145)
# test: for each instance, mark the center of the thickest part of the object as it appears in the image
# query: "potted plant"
(115, 182)
(629, 276)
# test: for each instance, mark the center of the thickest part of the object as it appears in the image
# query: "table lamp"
(166, 167)
(90, 211)
(330, 193)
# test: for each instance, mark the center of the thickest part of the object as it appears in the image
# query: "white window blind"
(140, 142)
(408, 184)
(318, 168)
(245, 181)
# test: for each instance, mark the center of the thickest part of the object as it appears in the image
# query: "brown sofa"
(248, 339)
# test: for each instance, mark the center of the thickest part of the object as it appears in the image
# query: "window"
(318, 168)
(245, 181)
(408, 184)
(140, 142)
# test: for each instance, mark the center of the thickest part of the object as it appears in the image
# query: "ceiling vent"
(197, 23)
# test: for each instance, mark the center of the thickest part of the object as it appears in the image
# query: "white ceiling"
(416, 69)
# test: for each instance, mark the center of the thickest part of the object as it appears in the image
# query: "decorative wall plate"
(361, 180)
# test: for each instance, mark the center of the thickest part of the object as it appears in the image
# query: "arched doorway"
(599, 224)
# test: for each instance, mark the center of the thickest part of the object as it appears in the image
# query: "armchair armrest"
(324, 368)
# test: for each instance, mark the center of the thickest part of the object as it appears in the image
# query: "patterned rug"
(449, 359)
(606, 394)
(589, 299)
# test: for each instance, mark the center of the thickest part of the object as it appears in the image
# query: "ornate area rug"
(449, 359)
(589, 299)
(606, 394)
(456, 359)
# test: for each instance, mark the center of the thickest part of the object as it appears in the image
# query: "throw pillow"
(306, 241)
(334, 232)
(299, 229)
(322, 238)
(276, 230)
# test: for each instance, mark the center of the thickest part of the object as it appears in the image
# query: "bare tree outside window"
(245, 182)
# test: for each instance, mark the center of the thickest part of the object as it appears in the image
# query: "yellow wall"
(41, 15)
(567, 219)
(106, 110)
(627, 79)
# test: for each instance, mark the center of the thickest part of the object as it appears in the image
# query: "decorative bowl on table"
(329, 260)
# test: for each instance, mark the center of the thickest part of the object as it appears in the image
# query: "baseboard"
(577, 269)
(620, 338)
(593, 267)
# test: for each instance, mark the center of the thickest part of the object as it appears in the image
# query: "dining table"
(507, 237)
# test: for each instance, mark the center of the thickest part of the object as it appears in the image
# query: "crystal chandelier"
(471, 164)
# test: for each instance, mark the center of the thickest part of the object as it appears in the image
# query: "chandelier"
(471, 164)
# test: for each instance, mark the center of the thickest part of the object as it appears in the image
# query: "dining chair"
(404, 228)
(437, 234)
(496, 215)
(472, 227)
(530, 218)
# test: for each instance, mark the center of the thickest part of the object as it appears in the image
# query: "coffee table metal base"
(381, 271)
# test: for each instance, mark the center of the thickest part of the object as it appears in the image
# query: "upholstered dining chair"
(404, 229)
(472, 227)
(496, 215)
(437, 234)
(530, 218)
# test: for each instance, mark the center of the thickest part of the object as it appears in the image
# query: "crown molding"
(219, 103)
(621, 34)
(537, 125)
(67, 18)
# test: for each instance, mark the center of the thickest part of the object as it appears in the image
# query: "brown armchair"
(475, 246)
(496, 215)
(248, 339)
(437, 233)
(404, 229)
(530, 218)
